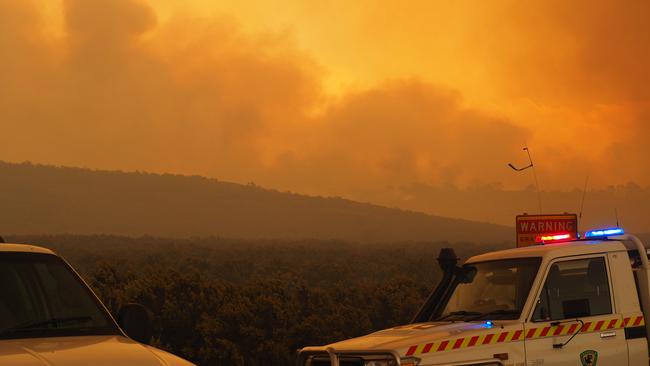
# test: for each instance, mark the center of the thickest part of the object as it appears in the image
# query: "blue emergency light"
(603, 233)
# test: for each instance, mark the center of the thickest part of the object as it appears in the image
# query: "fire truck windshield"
(40, 296)
(492, 290)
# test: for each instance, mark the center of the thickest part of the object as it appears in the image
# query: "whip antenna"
(531, 165)
(584, 196)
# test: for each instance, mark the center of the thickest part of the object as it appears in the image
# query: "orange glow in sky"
(331, 97)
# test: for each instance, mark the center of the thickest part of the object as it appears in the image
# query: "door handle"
(607, 335)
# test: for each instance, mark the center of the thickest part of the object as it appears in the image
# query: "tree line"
(231, 302)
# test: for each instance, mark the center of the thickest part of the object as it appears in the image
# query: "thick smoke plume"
(119, 88)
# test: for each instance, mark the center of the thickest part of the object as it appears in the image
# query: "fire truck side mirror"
(135, 322)
(466, 274)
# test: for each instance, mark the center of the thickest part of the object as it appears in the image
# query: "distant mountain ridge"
(627, 205)
(39, 199)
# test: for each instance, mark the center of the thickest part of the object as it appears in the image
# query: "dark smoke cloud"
(399, 133)
(564, 52)
(579, 69)
(122, 90)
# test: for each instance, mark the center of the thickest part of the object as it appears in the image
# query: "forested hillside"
(628, 204)
(233, 302)
(37, 199)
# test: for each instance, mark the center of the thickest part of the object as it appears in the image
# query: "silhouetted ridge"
(39, 199)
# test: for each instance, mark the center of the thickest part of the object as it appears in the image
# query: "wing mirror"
(466, 274)
(135, 322)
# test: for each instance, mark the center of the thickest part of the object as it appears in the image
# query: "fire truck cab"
(566, 302)
(50, 317)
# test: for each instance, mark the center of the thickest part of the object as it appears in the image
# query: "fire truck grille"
(351, 362)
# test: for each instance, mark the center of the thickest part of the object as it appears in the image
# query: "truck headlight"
(409, 361)
(379, 363)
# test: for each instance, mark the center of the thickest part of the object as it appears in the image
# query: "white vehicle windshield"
(40, 296)
(492, 290)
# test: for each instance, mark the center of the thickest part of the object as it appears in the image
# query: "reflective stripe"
(516, 335)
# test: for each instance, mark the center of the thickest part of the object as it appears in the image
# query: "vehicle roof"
(24, 248)
(555, 250)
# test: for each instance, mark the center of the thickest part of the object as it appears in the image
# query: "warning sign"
(531, 226)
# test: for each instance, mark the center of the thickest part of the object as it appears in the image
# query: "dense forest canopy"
(233, 302)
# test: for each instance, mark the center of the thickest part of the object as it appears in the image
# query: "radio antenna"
(584, 196)
(531, 165)
(616, 213)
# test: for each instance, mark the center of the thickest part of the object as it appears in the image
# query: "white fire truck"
(565, 302)
(49, 317)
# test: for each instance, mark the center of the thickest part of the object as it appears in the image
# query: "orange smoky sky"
(331, 97)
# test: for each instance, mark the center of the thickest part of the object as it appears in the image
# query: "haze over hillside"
(38, 199)
(492, 203)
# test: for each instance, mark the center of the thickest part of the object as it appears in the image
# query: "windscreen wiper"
(45, 323)
(461, 313)
(500, 312)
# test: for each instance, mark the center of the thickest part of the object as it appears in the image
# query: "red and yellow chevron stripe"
(518, 335)
(588, 327)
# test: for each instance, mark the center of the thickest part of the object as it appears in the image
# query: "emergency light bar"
(603, 233)
(554, 238)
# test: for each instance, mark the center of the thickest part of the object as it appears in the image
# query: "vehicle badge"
(589, 358)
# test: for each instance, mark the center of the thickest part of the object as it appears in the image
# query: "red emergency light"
(554, 238)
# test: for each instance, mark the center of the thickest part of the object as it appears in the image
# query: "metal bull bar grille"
(329, 356)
